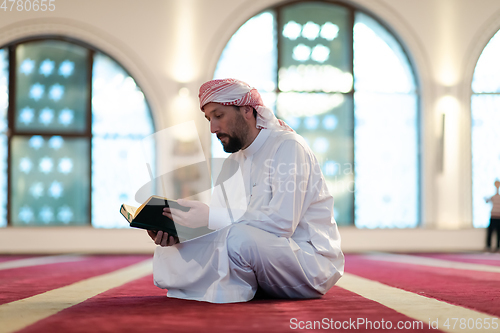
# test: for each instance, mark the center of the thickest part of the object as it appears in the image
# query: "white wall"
(169, 44)
(97, 241)
(445, 38)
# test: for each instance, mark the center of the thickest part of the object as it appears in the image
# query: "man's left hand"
(162, 238)
(196, 217)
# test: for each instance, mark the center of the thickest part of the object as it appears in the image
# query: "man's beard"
(233, 143)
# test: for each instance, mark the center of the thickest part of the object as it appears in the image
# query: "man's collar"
(257, 143)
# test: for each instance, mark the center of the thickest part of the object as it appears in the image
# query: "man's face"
(228, 124)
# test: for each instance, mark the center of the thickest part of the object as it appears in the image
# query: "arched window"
(485, 117)
(69, 114)
(343, 82)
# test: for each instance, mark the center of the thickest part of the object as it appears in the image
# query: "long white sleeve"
(228, 202)
(278, 205)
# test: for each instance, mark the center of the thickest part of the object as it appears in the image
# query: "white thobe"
(274, 229)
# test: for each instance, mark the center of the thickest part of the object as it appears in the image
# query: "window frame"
(11, 131)
(352, 9)
(475, 221)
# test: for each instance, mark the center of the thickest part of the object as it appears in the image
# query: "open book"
(149, 216)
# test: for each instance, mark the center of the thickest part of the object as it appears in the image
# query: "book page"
(138, 210)
(130, 209)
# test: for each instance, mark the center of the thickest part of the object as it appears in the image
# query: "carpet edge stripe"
(410, 304)
(432, 262)
(28, 262)
(22, 313)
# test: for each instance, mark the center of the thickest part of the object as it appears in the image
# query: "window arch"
(485, 136)
(345, 83)
(69, 114)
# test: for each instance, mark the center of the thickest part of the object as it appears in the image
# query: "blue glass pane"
(50, 181)
(4, 88)
(485, 116)
(314, 78)
(314, 36)
(4, 103)
(51, 87)
(118, 104)
(487, 70)
(294, 104)
(386, 159)
(109, 179)
(325, 122)
(251, 55)
(121, 118)
(3, 180)
(380, 64)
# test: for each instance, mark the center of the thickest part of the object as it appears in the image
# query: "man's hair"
(254, 111)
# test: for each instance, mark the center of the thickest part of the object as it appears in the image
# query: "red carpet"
(492, 259)
(139, 306)
(471, 289)
(13, 257)
(18, 283)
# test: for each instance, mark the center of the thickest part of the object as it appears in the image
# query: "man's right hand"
(162, 238)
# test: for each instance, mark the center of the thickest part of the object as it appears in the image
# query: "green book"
(149, 215)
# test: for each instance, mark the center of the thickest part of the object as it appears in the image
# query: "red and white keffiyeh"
(235, 92)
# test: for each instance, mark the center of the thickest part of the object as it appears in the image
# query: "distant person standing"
(495, 218)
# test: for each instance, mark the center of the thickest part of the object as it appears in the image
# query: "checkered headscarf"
(235, 92)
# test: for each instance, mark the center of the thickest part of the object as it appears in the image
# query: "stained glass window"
(345, 84)
(76, 114)
(313, 34)
(256, 64)
(485, 117)
(4, 103)
(49, 170)
(50, 183)
(51, 87)
(386, 133)
(121, 119)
